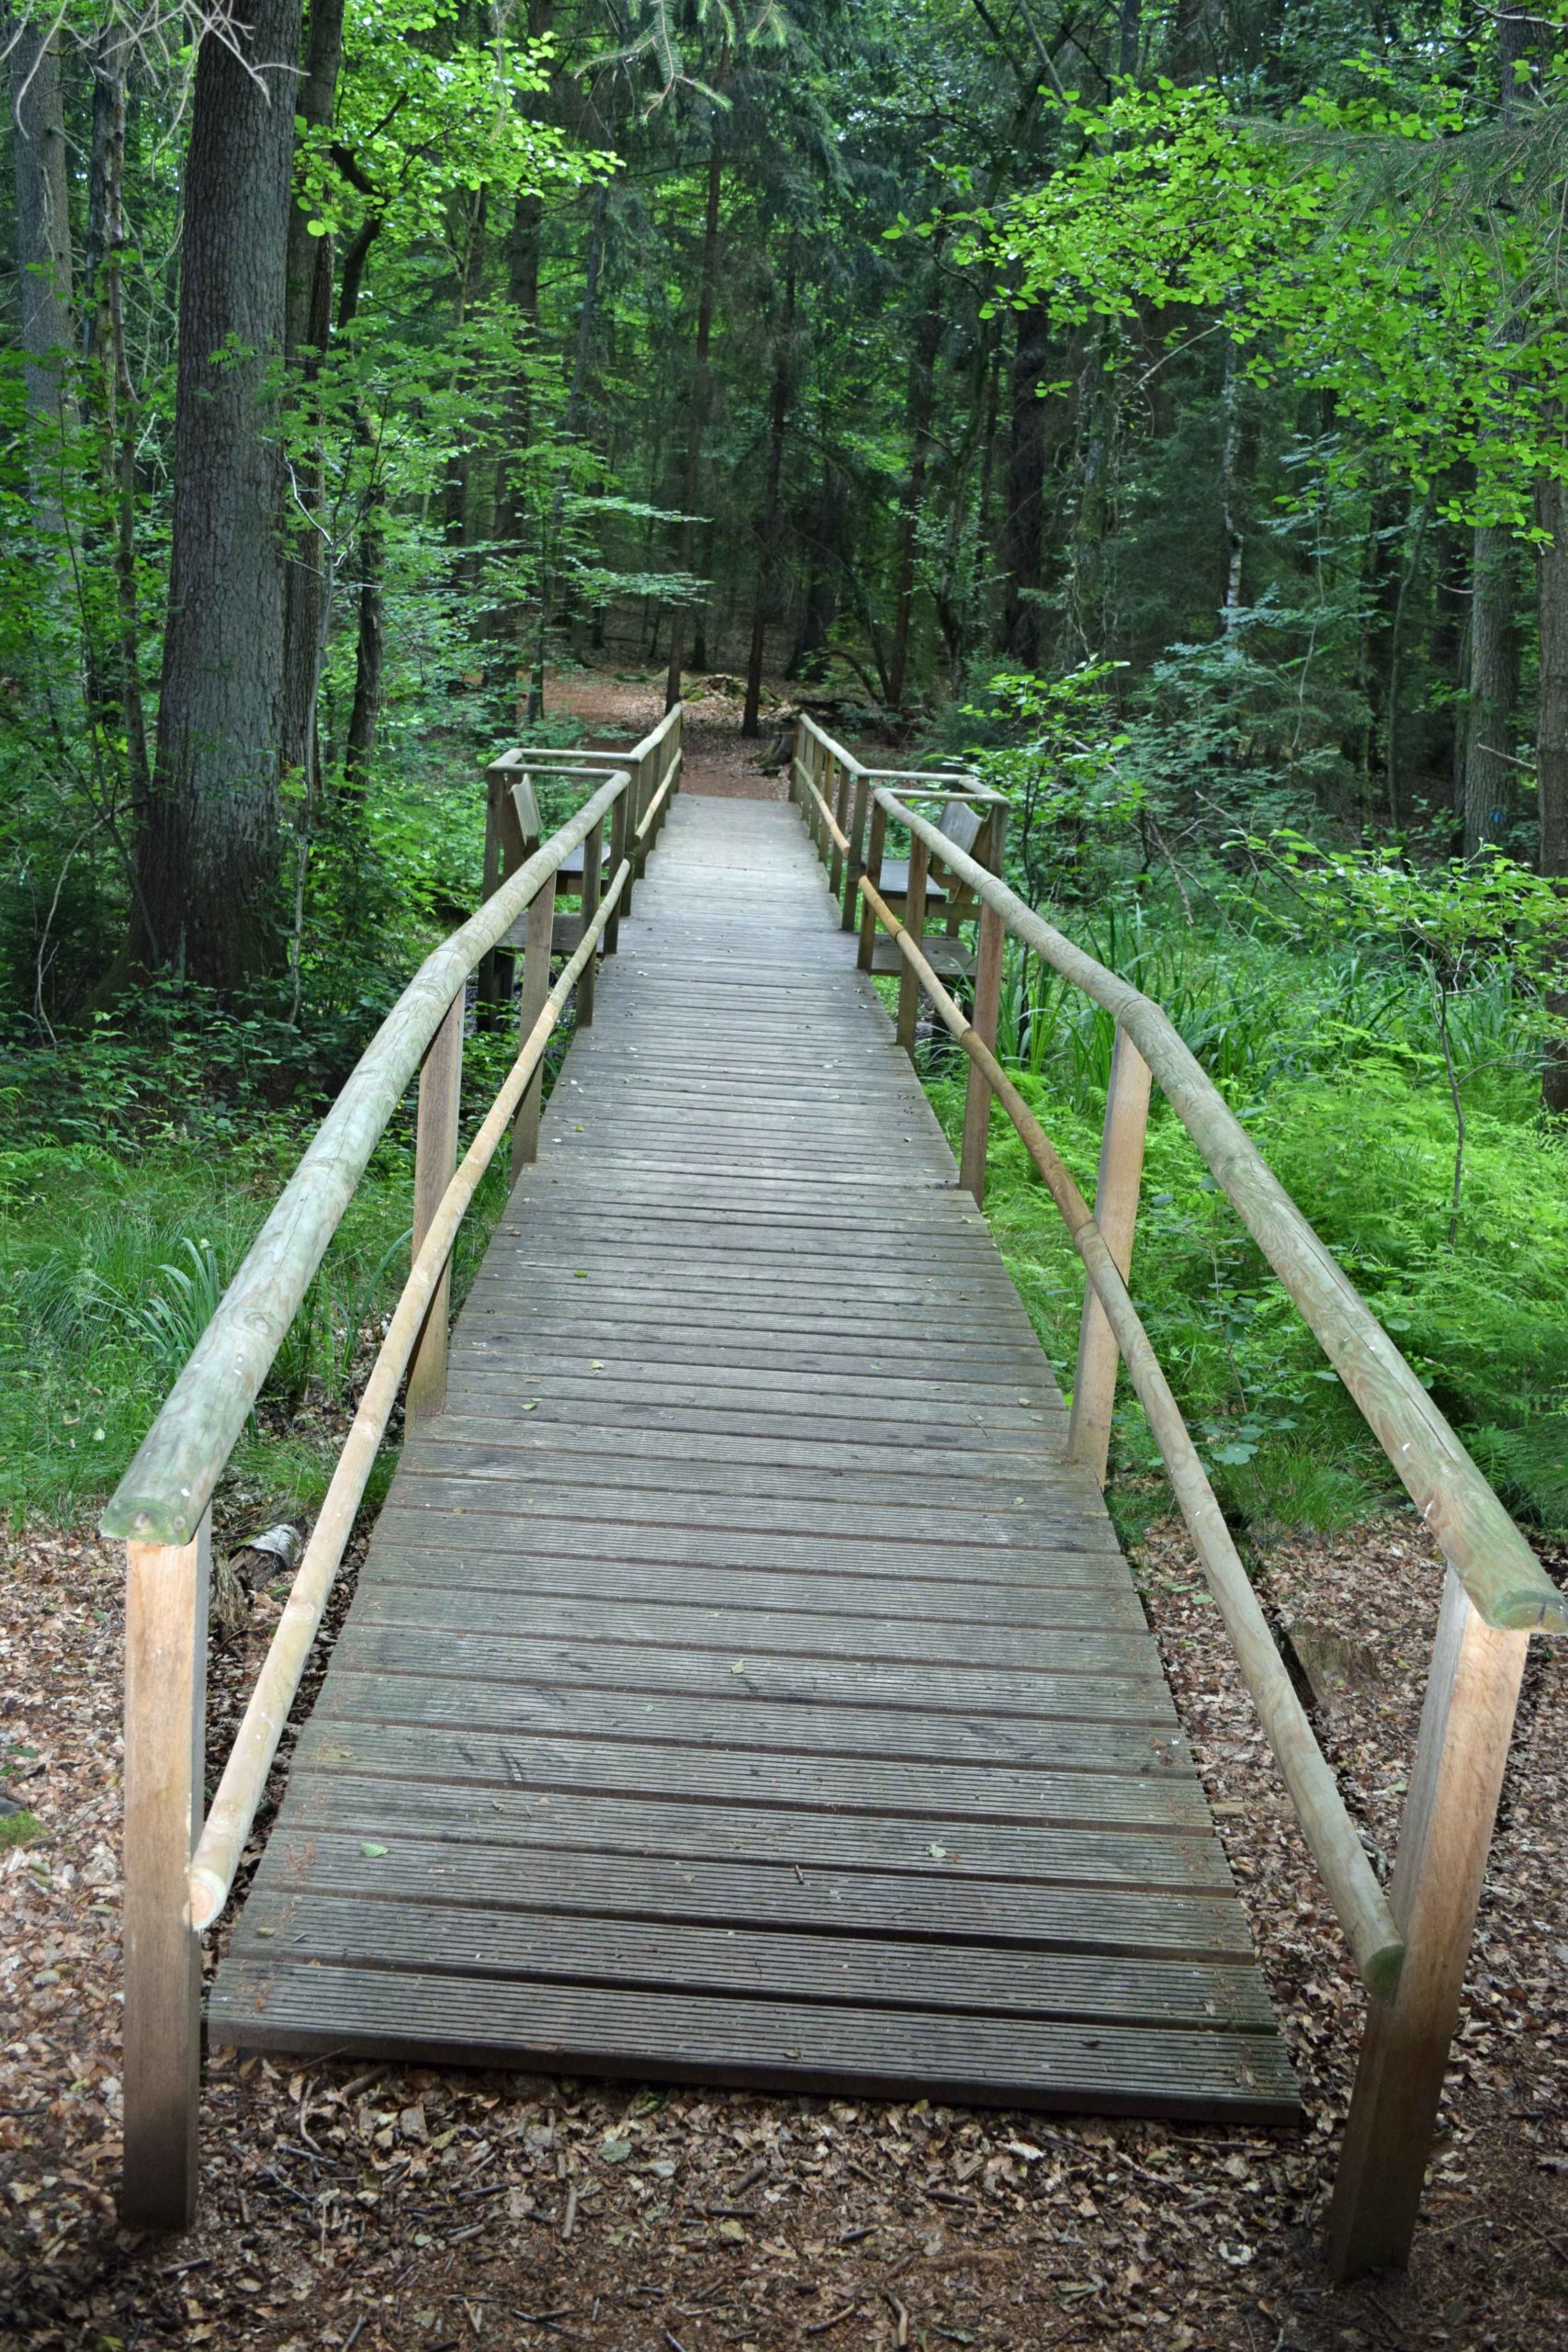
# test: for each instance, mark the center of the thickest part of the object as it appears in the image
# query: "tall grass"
(1331, 1060)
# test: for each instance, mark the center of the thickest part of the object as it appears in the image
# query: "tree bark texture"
(697, 415)
(1024, 523)
(1494, 686)
(921, 406)
(769, 523)
(212, 843)
(43, 255)
(112, 404)
(1552, 748)
(307, 311)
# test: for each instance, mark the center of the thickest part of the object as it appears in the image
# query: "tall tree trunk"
(921, 405)
(44, 255)
(697, 416)
(1023, 527)
(824, 536)
(112, 400)
(577, 393)
(1230, 453)
(768, 524)
(1494, 640)
(370, 652)
(1551, 750)
(456, 490)
(1494, 686)
(210, 854)
(308, 309)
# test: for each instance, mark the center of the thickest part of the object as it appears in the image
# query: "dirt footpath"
(719, 761)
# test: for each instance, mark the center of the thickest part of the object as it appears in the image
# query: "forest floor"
(720, 762)
(351, 2205)
(346, 2204)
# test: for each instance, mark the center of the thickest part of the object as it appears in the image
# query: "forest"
(1160, 409)
(1157, 418)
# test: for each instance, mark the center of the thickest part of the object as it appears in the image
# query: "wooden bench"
(963, 825)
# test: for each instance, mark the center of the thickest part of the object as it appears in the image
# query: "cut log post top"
(170, 1481)
(1501, 1574)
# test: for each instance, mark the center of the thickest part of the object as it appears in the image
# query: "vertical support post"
(536, 942)
(1467, 1721)
(636, 800)
(165, 1724)
(983, 1020)
(593, 881)
(915, 924)
(855, 862)
(1116, 1214)
(868, 924)
(617, 852)
(498, 778)
(836, 801)
(434, 1158)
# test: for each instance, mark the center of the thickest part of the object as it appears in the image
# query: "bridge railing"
(1411, 1944)
(179, 1867)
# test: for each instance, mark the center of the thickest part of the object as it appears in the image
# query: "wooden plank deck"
(742, 1687)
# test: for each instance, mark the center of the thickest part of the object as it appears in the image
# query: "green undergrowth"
(115, 1253)
(1353, 1115)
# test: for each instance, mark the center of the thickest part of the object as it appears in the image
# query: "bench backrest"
(961, 824)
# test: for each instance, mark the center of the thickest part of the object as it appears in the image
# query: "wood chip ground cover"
(350, 2206)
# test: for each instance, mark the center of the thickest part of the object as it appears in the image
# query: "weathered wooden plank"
(740, 1630)
(396, 1632)
(936, 1460)
(790, 1509)
(957, 1788)
(611, 1821)
(565, 1535)
(402, 1689)
(455, 1863)
(282, 2005)
(380, 1929)
(1083, 1607)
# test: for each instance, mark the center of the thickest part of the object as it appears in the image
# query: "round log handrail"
(169, 1482)
(1502, 1575)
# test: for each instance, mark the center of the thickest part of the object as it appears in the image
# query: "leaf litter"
(376, 2208)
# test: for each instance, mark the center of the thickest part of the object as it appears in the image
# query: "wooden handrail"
(170, 1481)
(240, 1792)
(1359, 1900)
(1411, 1944)
(179, 1870)
(1497, 1566)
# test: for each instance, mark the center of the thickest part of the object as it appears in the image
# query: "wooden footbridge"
(744, 1683)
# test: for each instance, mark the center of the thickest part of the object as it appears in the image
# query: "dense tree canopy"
(356, 370)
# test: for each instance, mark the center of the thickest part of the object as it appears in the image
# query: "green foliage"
(1330, 1059)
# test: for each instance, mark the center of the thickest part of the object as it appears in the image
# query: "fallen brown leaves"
(351, 2206)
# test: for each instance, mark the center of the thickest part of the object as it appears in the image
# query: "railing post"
(536, 942)
(835, 800)
(1461, 1749)
(855, 862)
(593, 877)
(166, 1725)
(636, 797)
(873, 870)
(617, 852)
(983, 1020)
(1116, 1214)
(915, 924)
(434, 1158)
(487, 990)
